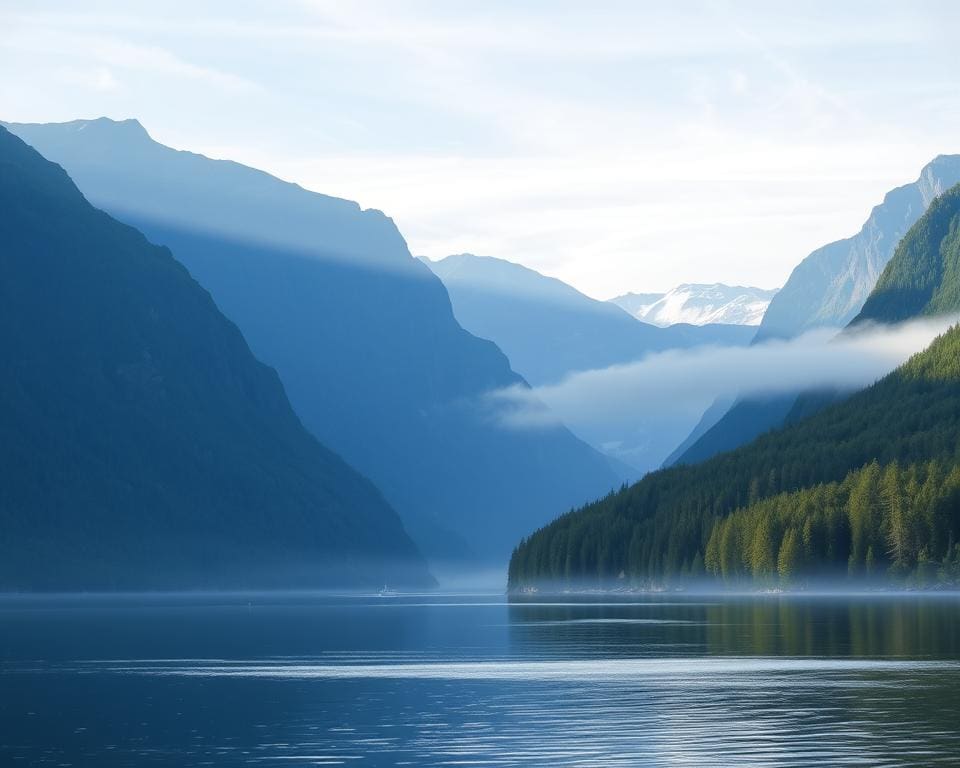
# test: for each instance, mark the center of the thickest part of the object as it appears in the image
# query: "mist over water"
(664, 680)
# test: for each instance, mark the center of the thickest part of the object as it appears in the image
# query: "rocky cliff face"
(830, 286)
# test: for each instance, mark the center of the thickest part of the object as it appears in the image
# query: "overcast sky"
(617, 146)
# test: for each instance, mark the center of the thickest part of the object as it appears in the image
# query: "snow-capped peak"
(699, 304)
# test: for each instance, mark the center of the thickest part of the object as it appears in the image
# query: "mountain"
(714, 412)
(549, 329)
(830, 286)
(144, 446)
(748, 418)
(362, 335)
(923, 277)
(633, 303)
(699, 304)
(804, 501)
(865, 487)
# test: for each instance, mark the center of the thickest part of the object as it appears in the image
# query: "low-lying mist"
(660, 397)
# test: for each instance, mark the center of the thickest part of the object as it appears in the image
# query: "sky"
(618, 146)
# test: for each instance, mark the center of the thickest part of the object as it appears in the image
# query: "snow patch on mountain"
(699, 304)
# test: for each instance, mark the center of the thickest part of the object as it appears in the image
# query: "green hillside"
(868, 487)
(923, 277)
(671, 524)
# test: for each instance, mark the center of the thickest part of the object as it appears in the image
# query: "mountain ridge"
(699, 304)
(362, 335)
(861, 486)
(830, 285)
(549, 330)
(923, 277)
(145, 446)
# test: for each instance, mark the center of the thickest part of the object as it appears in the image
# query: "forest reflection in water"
(898, 625)
(439, 680)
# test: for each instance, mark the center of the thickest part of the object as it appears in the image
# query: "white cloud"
(113, 52)
(621, 147)
(675, 387)
(97, 79)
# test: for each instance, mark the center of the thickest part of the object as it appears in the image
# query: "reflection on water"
(877, 625)
(310, 680)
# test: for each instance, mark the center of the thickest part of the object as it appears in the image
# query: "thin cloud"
(118, 53)
(630, 149)
(682, 383)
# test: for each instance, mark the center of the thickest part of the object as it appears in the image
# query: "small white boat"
(385, 592)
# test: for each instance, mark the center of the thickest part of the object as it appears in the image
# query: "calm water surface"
(290, 680)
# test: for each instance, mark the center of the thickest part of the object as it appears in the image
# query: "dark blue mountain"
(362, 335)
(143, 444)
(746, 419)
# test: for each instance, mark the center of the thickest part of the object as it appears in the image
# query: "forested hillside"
(865, 487)
(830, 286)
(923, 277)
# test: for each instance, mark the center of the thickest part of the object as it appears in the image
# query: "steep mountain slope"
(923, 277)
(746, 419)
(550, 330)
(830, 286)
(661, 529)
(144, 446)
(633, 303)
(700, 304)
(750, 417)
(547, 328)
(362, 335)
(714, 412)
(869, 485)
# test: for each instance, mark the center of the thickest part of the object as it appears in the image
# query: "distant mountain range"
(864, 488)
(143, 445)
(125, 388)
(549, 330)
(699, 304)
(829, 287)
(362, 335)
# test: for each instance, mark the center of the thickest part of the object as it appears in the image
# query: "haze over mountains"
(362, 336)
(397, 368)
(549, 330)
(827, 289)
(699, 304)
(144, 446)
(866, 488)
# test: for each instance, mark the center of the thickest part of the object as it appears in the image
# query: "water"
(291, 680)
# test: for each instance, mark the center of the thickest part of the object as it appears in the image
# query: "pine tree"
(789, 560)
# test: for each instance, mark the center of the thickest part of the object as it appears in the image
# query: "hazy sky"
(617, 146)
